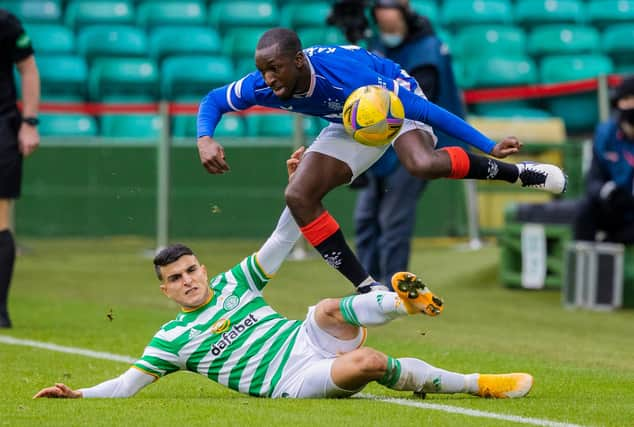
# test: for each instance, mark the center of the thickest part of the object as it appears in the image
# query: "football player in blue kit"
(316, 81)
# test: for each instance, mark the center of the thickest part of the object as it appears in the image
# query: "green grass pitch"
(583, 362)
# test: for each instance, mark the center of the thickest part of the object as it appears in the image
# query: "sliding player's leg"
(416, 152)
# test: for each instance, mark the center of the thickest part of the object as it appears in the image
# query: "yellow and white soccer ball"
(373, 115)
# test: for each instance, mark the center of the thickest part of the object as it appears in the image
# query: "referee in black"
(19, 136)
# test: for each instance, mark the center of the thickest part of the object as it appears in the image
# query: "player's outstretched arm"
(126, 385)
(420, 109)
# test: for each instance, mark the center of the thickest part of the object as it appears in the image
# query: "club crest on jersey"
(233, 334)
(231, 302)
(220, 326)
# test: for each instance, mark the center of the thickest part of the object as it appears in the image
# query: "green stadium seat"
(123, 80)
(563, 39)
(116, 40)
(230, 125)
(34, 11)
(500, 71)
(169, 41)
(137, 126)
(240, 43)
(303, 15)
(280, 125)
(228, 15)
(80, 13)
(245, 66)
(605, 13)
(51, 38)
(427, 8)
(191, 77)
(67, 125)
(63, 77)
(160, 13)
(530, 13)
(459, 13)
(328, 35)
(617, 42)
(579, 112)
(490, 40)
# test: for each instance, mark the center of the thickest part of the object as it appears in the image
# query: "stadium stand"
(173, 41)
(137, 126)
(239, 43)
(530, 13)
(51, 38)
(563, 39)
(489, 40)
(97, 41)
(189, 78)
(228, 15)
(617, 43)
(230, 126)
(304, 15)
(74, 125)
(459, 13)
(427, 8)
(151, 14)
(63, 77)
(80, 13)
(579, 112)
(35, 11)
(604, 13)
(123, 80)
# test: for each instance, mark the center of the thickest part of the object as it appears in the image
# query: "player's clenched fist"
(212, 155)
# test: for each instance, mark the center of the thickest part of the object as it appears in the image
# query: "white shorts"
(308, 367)
(334, 141)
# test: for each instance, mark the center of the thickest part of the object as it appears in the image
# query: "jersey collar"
(311, 88)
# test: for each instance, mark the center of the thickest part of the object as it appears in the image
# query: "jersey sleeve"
(251, 273)
(236, 96)
(18, 40)
(420, 109)
(159, 358)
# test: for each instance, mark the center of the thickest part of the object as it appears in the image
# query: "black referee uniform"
(15, 46)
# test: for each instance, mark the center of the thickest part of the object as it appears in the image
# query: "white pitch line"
(403, 402)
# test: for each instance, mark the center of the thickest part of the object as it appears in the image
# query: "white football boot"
(542, 176)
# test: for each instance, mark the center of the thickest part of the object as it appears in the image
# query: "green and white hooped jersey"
(236, 339)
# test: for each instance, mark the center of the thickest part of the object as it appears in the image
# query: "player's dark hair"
(169, 255)
(287, 39)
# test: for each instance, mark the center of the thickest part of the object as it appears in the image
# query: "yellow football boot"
(415, 295)
(504, 386)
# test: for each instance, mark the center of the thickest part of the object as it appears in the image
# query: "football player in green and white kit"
(227, 332)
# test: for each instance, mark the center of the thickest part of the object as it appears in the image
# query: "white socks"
(371, 309)
(416, 375)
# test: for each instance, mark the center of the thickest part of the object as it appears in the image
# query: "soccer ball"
(373, 115)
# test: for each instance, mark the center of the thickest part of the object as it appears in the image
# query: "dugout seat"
(67, 125)
(579, 112)
(530, 13)
(329, 35)
(228, 15)
(107, 41)
(617, 42)
(153, 14)
(490, 40)
(137, 126)
(605, 13)
(191, 77)
(51, 38)
(123, 80)
(169, 41)
(63, 77)
(305, 15)
(35, 11)
(459, 13)
(563, 39)
(80, 13)
(240, 43)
